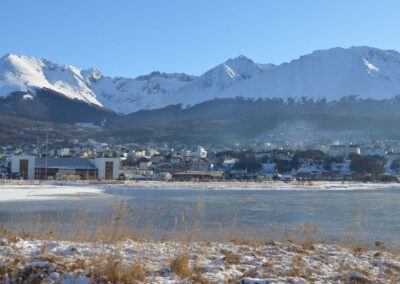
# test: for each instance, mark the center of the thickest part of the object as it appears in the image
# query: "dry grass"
(180, 266)
(230, 257)
(198, 279)
(111, 268)
(44, 250)
(120, 224)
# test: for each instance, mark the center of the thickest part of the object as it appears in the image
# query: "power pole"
(47, 141)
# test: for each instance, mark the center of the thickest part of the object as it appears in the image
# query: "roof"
(65, 163)
(199, 173)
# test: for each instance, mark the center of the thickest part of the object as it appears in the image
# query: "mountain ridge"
(332, 73)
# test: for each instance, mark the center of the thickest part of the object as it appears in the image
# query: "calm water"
(366, 214)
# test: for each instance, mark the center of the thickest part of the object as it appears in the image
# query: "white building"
(108, 168)
(140, 153)
(343, 150)
(337, 151)
(63, 152)
(201, 152)
(144, 165)
(24, 166)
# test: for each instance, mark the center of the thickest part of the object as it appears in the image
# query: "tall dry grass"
(121, 224)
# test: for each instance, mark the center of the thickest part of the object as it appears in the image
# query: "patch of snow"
(370, 66)
(45, 192)
(27, 97)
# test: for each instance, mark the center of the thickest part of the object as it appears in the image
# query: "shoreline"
(269, 185)
(22, 191)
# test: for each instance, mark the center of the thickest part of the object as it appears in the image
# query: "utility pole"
(47, 141)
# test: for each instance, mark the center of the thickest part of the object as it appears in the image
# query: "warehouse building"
(30, 167)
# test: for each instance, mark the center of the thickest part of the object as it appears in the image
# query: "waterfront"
(365, 214)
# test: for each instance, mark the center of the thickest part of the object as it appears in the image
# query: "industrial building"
(30, 167)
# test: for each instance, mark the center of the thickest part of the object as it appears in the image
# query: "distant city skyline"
(131, 38)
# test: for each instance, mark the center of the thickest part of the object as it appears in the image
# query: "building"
(354, 149)
(145, 164)
(65, 168)
(199, 164)
(24, 166)
(337, 150)
(197, 175)
(201, 152)
(108, 168)
(63, 152)
(30, 167)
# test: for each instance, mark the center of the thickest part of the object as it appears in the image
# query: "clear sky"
(130, 38)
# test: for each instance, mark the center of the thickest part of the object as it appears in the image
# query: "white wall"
(15, 162)
(101, 167)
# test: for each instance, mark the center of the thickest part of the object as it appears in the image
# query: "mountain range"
(351, 89)
(334, 73)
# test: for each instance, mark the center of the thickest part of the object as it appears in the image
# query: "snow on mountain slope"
(121, 95)
(332, 73)
(220, 81)
(23, 73)
(124, 95)
(227, 74)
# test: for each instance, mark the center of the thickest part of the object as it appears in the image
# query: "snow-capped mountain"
(332, 73)
(23, 73)
(121, 95)
(126, 95)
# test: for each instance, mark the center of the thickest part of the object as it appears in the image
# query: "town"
(377, 161)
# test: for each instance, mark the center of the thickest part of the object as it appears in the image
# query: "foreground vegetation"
(132, 261)
(112, 251)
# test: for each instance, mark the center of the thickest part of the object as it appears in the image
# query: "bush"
(388, 178)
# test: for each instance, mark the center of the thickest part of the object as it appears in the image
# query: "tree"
(367, 164)
(283, 166)
(248, 163)
(395, 165)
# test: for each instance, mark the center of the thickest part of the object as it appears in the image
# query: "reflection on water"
(366, 214)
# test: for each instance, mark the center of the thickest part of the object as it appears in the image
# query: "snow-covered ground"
(21, 192)
(273, 262)
(43, 191)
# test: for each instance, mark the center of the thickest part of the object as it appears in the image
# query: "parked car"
(15, 176)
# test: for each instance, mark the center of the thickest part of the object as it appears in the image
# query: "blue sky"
(130, 38)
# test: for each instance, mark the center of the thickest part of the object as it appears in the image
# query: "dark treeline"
(224, 121)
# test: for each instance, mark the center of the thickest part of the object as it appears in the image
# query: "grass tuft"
(180, 266)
